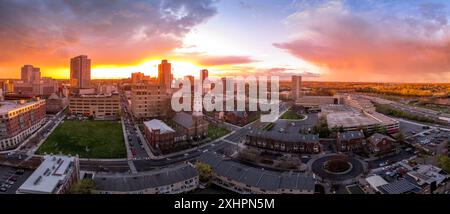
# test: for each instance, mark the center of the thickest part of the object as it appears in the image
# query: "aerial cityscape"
(174, 97)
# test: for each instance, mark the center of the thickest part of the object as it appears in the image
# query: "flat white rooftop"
(355, 118)
(47, 177)
(7, 106)
(158, 125)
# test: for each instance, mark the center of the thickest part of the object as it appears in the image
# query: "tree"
(400, 137)
(321, 128)
(85, 186)
(205, 173)
(444, 162)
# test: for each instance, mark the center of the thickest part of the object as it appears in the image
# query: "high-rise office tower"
(165, 73)
(191, 79)
(36, 76)
(27, 73)
(296, 86)
(80, 72)
(203, 74)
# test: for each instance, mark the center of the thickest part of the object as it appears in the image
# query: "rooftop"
(377, 138)
(257, 177)
(285, 137)
(376, 181)
(399, 187)
(351, 135)
(158, 125)
(355, 118)
(144, 180)
(184, 119)
(49, 175)
(7, 106)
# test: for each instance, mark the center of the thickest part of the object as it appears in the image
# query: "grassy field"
(216, 132)
(88, 139)
(291, 115)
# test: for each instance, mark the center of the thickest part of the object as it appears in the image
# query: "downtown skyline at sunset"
(343, 40)
(210, 101)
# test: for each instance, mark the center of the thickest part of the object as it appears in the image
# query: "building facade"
(80, 72)
(203, 74)
(150, 100)
(350, 141)
(190, 126)
(284, 142)
(18, 120)
(97, 105)
(380, 144)
(165, 74)
(159, 135)
(56, 103)
(236, 117)
(172, 180)
(296, 87)
(31, 83)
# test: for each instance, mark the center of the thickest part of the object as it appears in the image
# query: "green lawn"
(291, 115)
(216, 132)
(104, 139)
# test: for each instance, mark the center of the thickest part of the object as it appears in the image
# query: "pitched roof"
(377, 138)
(145, 180)
(285, 137)
(53, 96)
(399, 187)
(257, 177)
(351, 135)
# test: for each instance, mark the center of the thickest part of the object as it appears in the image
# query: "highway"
(411, 109)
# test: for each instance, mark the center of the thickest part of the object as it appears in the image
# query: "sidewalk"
(125, 136)
(28, 138)
(145, 144)
(35, 148)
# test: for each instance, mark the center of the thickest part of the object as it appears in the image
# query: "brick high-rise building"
(203, 74)
(80, 72)
(26, 73)
(165, 74)
(150, 100)
(296, 86)
(18, 120)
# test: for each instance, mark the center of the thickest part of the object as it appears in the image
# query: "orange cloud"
(48, 33)
(365, 47)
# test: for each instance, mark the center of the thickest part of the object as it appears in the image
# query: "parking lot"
(11, 179)
(410, 129)
(433, 141)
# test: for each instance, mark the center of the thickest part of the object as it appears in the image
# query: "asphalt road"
(135, 143)
(150, 164)
(318, 164)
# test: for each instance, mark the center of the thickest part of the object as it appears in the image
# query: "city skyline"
(361, 41)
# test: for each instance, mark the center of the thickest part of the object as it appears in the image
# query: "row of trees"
(388, 110)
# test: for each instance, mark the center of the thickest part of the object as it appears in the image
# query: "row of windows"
(21, 110)
(13, 141)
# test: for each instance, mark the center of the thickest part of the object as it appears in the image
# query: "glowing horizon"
(346, 40)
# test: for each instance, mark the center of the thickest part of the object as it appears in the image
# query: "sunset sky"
(353, 40)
